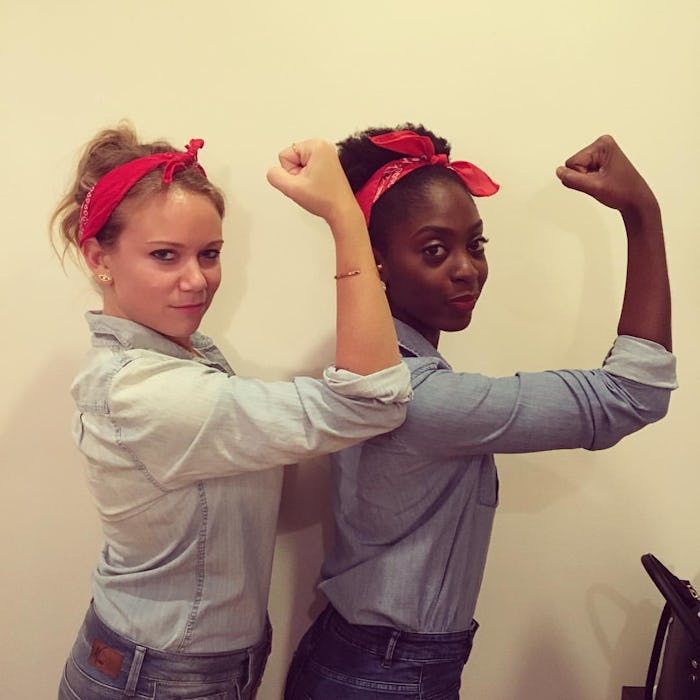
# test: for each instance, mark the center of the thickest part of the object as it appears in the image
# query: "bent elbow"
(629, 421)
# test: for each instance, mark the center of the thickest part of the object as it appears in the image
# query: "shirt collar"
(131, 335)
(413, 343)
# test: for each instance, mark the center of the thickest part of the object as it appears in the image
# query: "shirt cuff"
(390, 385)
(642, 361)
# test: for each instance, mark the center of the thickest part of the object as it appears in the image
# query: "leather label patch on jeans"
(105, 659)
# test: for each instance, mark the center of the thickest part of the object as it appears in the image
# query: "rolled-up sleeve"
(390, 385)
(184, 421)
(456, 414)
(642, 361)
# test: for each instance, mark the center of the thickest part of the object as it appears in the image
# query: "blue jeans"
(338, 660)
(103, 665)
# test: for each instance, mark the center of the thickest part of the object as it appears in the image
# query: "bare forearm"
(604, 172)
(646, 308)
(366, 340)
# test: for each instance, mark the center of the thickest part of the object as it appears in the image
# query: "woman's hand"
(604, 172)
(310, 174)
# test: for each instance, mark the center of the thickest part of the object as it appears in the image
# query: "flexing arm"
(310, 174)
(603, 171)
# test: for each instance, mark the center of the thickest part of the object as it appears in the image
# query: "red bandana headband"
(104, 196)
(418, 151)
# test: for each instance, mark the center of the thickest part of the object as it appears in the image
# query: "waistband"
(392, 643)
(99, 648)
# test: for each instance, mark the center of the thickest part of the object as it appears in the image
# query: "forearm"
(604, 172)
(365, 337)
(311, 175)
(646, 308)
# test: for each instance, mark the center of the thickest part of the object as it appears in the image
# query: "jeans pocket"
(189, 691)
(65, 691)
(77, 685)
(442, 681)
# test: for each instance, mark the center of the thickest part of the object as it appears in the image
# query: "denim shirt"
(414, 508)
(180, 456)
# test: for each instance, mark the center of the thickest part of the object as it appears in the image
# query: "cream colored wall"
(566, 608)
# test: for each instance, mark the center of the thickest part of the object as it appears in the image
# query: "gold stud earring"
(380, 267)
(104, 277)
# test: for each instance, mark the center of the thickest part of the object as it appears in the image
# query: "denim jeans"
(338, 660)
(103, 665)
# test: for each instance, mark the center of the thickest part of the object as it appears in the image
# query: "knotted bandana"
(104, 196)
(417, 151)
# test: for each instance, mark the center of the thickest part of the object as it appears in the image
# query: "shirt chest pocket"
(488, 483)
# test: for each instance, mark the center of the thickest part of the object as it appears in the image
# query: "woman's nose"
(464, 267)
(192, 278)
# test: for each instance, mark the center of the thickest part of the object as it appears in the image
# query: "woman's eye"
(478, 244)
(211, 254)
(163, 254)
(434, 251)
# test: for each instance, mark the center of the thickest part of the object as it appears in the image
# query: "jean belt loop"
(134, 671)
(390, 648)
(246, 676)
(245, 679)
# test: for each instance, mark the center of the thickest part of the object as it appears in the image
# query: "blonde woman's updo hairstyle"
(108, 150)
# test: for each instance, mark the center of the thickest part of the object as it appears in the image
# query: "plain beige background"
(566, 609)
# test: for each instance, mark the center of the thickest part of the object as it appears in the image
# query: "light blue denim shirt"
(180, 456)
(414, 508)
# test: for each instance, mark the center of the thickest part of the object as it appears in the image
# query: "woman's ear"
(379, 261)
(97, 260)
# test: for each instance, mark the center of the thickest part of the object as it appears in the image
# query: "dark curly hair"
(361, 158)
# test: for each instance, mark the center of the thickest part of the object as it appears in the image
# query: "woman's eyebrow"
(476, 228)
(176, 244)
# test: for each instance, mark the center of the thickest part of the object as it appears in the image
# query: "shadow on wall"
(579, 218)
(632, 622)
(559, 314)
(235, 258)
(552, 650)
(531, 483)
(52, 532)
(306, 504)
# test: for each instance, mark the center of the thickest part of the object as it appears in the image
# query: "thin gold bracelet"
(352, 273)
